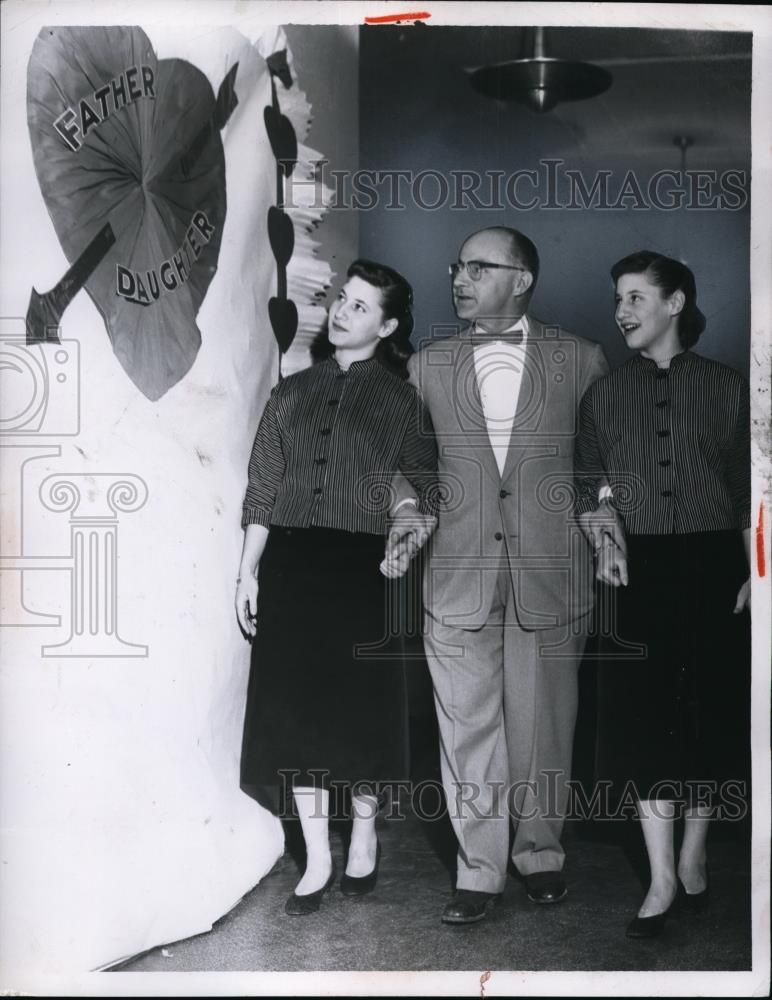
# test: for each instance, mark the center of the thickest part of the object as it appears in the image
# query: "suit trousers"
(506, 702)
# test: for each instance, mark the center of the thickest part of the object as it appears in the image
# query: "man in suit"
(508, 574)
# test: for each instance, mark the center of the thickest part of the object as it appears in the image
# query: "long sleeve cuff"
(429, 495)
(255, 515)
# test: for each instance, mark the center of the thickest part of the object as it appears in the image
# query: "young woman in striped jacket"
(326, 704)
(669, 430)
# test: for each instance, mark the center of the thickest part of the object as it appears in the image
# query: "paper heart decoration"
(283, 314)
(281, 235)
(279, 66)
(282, 138)
(121, 137)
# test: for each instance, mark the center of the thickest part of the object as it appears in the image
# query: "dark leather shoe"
(694, 902)
(360, 885)
(649, 927)
(545, 887)
(468, 906)
(300, 906)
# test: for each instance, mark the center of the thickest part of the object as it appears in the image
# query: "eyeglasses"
(475, 268)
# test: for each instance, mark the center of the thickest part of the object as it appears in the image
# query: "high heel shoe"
(695, 902)
(650, 927)
(351, 885)
(300, 906)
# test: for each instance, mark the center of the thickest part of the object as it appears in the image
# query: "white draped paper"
(123, 823)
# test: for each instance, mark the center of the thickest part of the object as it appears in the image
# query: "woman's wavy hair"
(670, 276)
(396, 302)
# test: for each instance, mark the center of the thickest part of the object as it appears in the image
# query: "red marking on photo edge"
(760, 557)
(418, 15)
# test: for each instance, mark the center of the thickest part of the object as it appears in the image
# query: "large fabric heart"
(119, 136)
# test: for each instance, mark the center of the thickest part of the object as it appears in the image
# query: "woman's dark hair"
(396, 302)
(670, 276)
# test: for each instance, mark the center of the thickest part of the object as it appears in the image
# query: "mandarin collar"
(356, 368)
(649, 367)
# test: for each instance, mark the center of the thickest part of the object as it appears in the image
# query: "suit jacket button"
(503, 493)
(498, 536)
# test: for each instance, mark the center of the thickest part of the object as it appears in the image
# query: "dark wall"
(418, 112)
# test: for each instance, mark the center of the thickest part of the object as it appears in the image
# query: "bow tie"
(480, 336)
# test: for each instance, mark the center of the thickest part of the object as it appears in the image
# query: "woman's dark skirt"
(674, 673)
(326, 702)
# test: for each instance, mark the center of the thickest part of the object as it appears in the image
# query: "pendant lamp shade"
(539, 81)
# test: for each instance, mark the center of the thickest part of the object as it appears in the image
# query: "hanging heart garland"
(282, 311)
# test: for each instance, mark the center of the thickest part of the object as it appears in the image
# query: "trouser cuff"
(481, 882)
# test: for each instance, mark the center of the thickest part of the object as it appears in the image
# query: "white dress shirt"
(499, 368)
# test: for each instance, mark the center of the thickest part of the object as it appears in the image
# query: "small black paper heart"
(278, 65)
(282, 137)
(281, 234)
(284, 320)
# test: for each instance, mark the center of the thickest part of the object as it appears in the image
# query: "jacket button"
(317, 491)
(498, 536)
(332, 402)
(324, 431)
(503, 493)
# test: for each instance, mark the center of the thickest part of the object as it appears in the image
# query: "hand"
(408, 532)
(603, 521)
(743, 598)
(611, 565)
(246, 604)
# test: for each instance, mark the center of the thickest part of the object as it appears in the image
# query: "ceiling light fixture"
(539, 81)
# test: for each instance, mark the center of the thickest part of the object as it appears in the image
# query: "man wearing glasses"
(508, 578)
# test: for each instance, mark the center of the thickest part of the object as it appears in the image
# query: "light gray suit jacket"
(524, 517)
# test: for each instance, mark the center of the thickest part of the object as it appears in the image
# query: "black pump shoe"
(300, 906)
(650, 927)
(353, 885)
(694, 902)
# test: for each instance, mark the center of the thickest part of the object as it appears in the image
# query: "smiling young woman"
(648, 320)
(671, 432)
